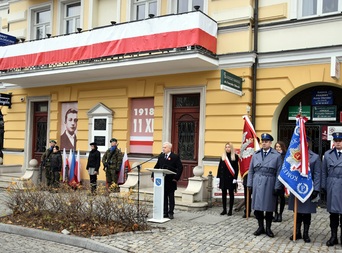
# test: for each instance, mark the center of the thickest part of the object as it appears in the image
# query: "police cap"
(267, 137)
(113, 140)
(337, 136)
(93, 144)
(53, 141)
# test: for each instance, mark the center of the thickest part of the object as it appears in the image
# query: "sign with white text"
(231, 83)
(142, 125)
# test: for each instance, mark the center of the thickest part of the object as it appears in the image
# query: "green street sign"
(324, 113)
(231, 83)
(294, 111)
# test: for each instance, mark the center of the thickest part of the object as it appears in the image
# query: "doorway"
(39, 129)
(185, 132)
(315, 129)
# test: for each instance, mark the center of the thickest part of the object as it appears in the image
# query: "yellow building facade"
(280, 59)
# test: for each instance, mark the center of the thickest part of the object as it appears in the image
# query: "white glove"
(234, 181)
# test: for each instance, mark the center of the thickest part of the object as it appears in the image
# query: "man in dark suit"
(171, 161)
(68, 138)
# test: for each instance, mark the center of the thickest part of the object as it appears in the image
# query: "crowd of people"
(264, 192)
(262, 188)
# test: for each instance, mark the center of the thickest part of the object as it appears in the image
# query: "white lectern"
(158, 195)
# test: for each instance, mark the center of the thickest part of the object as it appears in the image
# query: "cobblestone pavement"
(203, 232)
(207, 231)
(11, 243)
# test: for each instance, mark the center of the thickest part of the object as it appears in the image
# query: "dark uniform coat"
(113, 159)
(46, 157)
(262, 177)
(226, 178)
(172, 163)
(332, 180)
(94, 160)
(315, 167)
(56, 161)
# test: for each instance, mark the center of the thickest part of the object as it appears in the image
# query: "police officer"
(112, 161)
(308, 207)
(332, 185)
(46, 164)
(263, 170)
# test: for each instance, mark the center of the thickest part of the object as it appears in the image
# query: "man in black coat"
(171, 161)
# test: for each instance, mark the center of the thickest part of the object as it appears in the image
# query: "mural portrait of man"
(69, 126)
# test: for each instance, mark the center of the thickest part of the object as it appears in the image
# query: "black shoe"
(223, 213)
(244, 216)
(166, 216)
(230, 213)
(332, 241)
(269, 232)
(298, 236)
(280, 218)
(259, 231)
(171, 216)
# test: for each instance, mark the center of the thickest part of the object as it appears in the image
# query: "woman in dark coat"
(56, 166)
(227, 172)
(93, 165)
(278, 216)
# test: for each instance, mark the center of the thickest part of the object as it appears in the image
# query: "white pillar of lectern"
(158, 195)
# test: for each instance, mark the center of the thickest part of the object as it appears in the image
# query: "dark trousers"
(259, 215)
(56, 177)
(169, 201)
(304, 217)
(93, 182)
(280, 200)
(224, 199)
(335, 220)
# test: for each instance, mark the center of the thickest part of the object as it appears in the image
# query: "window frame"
(100, 111)
(319, 10)
(73, 18)
(63, 4)
(133, 7)
(173, 6)
(32, 20)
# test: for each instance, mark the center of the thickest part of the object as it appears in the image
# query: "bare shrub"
(77, 210)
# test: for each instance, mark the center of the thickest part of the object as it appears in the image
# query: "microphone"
(161, 154)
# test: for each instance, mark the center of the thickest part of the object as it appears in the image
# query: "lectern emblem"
(158, 181)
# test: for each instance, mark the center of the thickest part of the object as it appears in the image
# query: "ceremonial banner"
(295, 173)
(248, 146)
(125, 164)
(75, 169)
(65, 163)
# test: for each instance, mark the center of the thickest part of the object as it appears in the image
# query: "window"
(72, 17)
(143, 8)
(311, 8)
(41, 23)
(100, 125)
(188, 5)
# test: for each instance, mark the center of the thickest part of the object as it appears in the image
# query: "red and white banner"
(142, 125)
(125, 164)
(166, 32)
(248, 146)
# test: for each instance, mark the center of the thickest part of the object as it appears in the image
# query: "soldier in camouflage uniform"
(112, 161)
(45, 160)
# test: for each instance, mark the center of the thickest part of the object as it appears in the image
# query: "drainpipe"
(255, 65)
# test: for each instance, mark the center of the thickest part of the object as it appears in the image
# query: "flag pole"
(295, 209)
(247, 203)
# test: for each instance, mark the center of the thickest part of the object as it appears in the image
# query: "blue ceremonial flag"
(295, 173)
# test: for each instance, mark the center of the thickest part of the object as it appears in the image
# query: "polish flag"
(125, 164)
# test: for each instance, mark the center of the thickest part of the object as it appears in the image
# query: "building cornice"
(299, 57)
